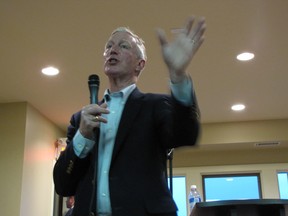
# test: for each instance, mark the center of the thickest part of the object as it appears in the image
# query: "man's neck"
(117, 85)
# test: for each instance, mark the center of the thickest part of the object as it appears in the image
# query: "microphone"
(93, 84)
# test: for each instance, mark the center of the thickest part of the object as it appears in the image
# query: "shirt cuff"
(183, 91)
(81, 145)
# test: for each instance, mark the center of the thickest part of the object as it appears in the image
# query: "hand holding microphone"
(91, 114)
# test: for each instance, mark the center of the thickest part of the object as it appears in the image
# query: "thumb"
(104, 105)
(161, 36)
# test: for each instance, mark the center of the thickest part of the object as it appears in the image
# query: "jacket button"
(91, 214)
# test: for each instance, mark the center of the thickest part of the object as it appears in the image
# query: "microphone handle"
(93, 84)
(93, 94)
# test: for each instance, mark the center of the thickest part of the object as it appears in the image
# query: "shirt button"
(103, 194)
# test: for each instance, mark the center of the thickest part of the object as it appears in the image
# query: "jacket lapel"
(131, 109)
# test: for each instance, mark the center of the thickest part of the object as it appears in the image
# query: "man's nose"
(115, 48)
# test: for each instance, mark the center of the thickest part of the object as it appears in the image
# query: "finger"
(161, 36)
(102, 109)
(98, 119)
(194, 32)
(200, 34)
(104, 105)
(95, 118)
(95, 109)
(198, 44)
(189, 24)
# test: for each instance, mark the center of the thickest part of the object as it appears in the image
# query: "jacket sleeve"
(186, 123)
(186, 116)
(70, 169)
(178, 124)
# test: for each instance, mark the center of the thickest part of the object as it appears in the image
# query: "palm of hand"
(178, 54)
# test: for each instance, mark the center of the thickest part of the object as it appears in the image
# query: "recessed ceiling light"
(50, 71)
(246, 56)
(238, 107)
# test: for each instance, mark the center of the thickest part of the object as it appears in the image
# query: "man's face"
(69, 202)
(120, 56)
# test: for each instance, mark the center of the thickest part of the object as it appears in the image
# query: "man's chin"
(111, 72)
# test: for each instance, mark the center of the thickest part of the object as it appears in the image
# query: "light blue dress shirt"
(116, 102)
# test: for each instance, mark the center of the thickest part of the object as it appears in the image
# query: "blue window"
(231, 187)
(283, 184)
(179, 194)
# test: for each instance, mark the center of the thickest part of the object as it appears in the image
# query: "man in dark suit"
(115, 160)
(70, 205)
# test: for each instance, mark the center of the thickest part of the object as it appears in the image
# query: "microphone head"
(93, 79)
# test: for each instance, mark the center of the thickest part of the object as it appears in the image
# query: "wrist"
(87, 134)
(177, 77)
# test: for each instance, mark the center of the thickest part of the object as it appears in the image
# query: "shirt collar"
(125, 92)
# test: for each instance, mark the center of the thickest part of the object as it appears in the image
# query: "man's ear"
(140, 66)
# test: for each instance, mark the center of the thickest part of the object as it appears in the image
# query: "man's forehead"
(122, 36)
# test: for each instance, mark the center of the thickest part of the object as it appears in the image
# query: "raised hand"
(178, 54)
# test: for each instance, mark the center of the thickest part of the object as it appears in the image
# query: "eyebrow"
(122, 41)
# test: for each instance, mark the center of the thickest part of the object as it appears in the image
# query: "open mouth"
(112, 60)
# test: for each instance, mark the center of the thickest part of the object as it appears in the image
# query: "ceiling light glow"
(50, 71)
(238, 107)
(246, 56)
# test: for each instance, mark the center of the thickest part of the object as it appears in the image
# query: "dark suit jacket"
(150, 125)
(69, 212)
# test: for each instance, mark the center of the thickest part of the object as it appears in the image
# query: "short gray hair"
(139, 41)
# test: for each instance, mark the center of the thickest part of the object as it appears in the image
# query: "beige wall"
(245, 132)
(27, 161)
(12, 138)
(234, 143)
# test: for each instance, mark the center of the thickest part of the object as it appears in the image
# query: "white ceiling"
(71, 35)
